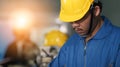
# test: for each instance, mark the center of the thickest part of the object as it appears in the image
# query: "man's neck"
(95, 30)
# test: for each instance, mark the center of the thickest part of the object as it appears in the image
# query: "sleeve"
(60, 60)
(118, 58)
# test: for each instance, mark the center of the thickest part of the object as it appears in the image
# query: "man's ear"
(96, 10)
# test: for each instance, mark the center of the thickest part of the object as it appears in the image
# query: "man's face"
(82, 26)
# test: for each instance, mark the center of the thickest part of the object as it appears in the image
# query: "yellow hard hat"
(72, 10)
(55, 38)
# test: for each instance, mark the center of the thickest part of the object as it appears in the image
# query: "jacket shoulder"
(116, 30)
(115, 34)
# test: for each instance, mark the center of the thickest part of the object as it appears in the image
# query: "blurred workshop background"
(35, 22)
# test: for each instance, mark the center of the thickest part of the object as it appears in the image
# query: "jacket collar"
(104, 31)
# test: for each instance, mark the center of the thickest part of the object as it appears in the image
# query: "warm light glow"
(21, 19)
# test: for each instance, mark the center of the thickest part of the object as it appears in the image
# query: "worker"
(22, 50)
(96, 42)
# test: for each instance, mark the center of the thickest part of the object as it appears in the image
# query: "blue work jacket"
(103, 50)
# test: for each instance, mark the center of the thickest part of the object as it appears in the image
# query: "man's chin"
(82, 34)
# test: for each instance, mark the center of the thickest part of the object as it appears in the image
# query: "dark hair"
(98, 4)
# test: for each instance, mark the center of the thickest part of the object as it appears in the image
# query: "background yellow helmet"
(55, 38)
(72, 10)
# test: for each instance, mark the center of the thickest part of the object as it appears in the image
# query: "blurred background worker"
(96, 42)
(30, 20)
(22, 51)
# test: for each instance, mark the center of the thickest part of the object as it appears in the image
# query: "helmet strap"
(92, 22)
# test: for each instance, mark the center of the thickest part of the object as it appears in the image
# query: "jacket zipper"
(85, 46)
